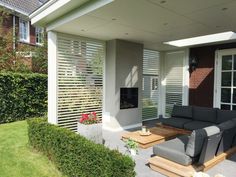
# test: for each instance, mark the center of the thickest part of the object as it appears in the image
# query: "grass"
(149, 112)
(17, 158)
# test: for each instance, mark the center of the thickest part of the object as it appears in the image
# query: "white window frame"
(27, 31)
(217, 74)
(156, 78)
(143, 84)
(39, 34)
(185, 91)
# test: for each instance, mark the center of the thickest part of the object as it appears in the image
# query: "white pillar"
(52, 77)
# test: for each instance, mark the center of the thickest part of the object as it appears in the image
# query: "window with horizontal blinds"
(150, 84)
(174, 80)
(80, 78)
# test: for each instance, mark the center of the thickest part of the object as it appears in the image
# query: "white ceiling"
(151, 22)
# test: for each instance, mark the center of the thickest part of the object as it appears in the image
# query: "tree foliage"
(13, 54)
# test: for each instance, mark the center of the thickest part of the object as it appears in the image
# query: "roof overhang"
(13, 10)
(57, 12)
(149, 22)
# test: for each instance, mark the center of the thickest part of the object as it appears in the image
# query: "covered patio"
(131, 61)
(113, 141)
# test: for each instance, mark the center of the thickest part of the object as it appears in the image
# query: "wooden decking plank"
(169, 168)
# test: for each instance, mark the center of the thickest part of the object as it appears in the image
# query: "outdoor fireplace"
(128, 98)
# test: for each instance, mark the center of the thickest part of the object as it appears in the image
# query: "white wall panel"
(151, 67)
(80, 78)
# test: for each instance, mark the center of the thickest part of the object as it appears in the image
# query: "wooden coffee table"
(159, 135)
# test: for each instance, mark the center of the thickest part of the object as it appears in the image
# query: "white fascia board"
(47, 9)
(42, 8)
(93, 5)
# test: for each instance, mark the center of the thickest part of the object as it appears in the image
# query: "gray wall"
(123, 69)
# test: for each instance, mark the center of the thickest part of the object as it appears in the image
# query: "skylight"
(229, 35)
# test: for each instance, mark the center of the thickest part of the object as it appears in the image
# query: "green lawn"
(17, 158)
(149, 112)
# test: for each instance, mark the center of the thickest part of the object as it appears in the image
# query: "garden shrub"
(74, 155)
(22, 96)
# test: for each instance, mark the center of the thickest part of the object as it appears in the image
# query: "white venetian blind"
(150, 84)
(174, 80)
(80, 81)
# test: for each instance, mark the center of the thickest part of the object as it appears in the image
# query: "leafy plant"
(74, 155)
(147, 102)
(88, 119)
(22, 96)
(12, 52)
(11, 58)
(39, 59)
(131, 144)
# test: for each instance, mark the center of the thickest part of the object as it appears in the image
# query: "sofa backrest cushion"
(182, 111)
(224, 115)
(196, 140)
(227, 125)
(204, 114)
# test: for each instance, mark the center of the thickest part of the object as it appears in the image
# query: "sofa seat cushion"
(182, 112)
(225, 115)
(196, 140)
(204, 114)
(174, 150)
(175, 122)
(194, 125)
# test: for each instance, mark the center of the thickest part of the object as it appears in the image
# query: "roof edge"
(7, 6)
(42, 8)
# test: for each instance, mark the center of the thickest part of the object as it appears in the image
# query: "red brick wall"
(7, 23)
(202, 79)
(32, 35)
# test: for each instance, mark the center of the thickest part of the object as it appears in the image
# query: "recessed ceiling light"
(162, 2)
(225, 36)
(224, 9)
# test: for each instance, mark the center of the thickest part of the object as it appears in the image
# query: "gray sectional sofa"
(195, 117)
(213, 132)
(186, 150)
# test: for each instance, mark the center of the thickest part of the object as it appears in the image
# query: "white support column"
(161, 105)
(186, 78)
(52, 77)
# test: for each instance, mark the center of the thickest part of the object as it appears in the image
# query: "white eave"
(56, 12)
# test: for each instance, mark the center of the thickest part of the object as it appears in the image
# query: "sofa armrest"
(209, 148)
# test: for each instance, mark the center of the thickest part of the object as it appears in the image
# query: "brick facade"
(201, 89)
(7, 26)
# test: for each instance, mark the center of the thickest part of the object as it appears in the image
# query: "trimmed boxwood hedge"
(22, 95)
(76, 156)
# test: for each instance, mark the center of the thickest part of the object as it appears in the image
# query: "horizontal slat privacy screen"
(80, 81)
(150, 84)
(174, 80)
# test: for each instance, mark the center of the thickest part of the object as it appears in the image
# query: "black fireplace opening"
(128, 98)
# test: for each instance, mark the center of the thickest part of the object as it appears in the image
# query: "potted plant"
(132, 146)
(90, 127)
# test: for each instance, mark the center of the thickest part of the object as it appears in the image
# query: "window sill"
(26, 42)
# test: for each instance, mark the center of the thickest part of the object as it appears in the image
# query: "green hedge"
(22, 95)
(76, 156)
